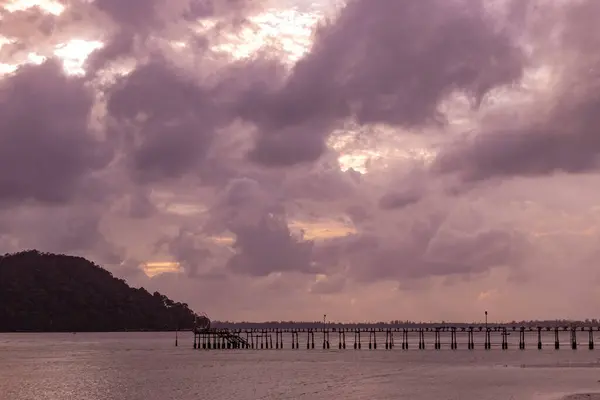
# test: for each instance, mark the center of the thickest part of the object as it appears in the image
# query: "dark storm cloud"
(381, 61)
(138, 22)
(168, 114)
(423, 249)
(46, 147)
(263, 241)
(135, 14)
(188, 252)
(399, 199)
(140, 205)
(565, 138)
(268, 247)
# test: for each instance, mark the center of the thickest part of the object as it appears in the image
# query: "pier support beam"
(325, 339)
(357, 344)
(556, 339)
(453, 341)
(504, 339)
(310, 340)
(574, 338)
(389, 339)
(522, 338)
(342, 339)
(470, 339)
(539, 329)
(591, 338)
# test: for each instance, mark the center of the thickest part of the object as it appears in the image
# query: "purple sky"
(383, 159)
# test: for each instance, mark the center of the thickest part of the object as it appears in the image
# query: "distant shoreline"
(561, 324)
(582, 396)
(107, 331)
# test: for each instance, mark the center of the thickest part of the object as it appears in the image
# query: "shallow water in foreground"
(147, 366)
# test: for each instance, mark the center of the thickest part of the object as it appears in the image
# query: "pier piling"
(488, 339)
(470, 339)
(389, 339)
(357, 343)
(342, 339)
(453, 341)
(226, 339)
(522, 338)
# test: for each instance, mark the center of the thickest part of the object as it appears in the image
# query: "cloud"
(47, 148)
(382, 62)
(406, 152)
(558, 134)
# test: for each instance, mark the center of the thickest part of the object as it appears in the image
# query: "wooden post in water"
(471, 339)
(591, 338)
(488, 339)
(454, 342)
(522, 338)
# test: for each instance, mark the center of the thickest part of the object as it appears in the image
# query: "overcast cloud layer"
(380, 159)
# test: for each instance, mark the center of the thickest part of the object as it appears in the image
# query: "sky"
(259, 160)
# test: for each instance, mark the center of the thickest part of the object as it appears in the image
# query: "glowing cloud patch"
(48, 6)
(74, 53)
(152, 269)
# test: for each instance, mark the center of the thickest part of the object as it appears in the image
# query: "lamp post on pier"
(325, 338)
(486, 321)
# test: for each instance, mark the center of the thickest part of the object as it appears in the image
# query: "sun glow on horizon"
(152, 269)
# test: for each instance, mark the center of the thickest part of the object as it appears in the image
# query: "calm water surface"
(147, 366)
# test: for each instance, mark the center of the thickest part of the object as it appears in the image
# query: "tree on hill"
(55, 292)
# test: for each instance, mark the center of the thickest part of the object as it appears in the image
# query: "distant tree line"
(55, 292)
(395, 324)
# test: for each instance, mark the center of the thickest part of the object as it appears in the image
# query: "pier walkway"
(443, 337)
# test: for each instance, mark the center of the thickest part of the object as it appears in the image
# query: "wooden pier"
(437, 338)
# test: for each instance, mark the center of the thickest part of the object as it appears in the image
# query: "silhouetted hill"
(50, 292)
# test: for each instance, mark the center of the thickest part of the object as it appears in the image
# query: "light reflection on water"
(132, 366)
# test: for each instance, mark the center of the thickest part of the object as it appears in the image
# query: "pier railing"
(437, 338)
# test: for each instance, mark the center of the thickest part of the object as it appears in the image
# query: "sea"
(148, 366)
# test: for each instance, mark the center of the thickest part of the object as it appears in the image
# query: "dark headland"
(42, 292)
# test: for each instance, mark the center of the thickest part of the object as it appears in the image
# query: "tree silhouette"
(55, 292)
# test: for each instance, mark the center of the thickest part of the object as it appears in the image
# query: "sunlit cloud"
(155, 268)
(287, 33)
(321, 230)
(49, 6)
(74, 53)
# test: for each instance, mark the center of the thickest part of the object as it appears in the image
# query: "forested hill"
(50, 292)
